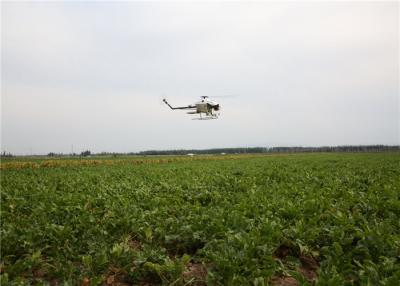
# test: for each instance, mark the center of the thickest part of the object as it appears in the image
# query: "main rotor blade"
(225, 96)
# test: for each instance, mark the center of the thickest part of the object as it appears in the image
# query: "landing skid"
(208, 116)
(205, 118)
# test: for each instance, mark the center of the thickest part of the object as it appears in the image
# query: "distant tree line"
(206, 151)
(5, 154)
(241, 150)
(345, 148)
(253, 150)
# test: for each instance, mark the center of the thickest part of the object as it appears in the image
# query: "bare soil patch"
(309, 265)
(134, 244)
(195, 274)
(284, 281)
(116, 277)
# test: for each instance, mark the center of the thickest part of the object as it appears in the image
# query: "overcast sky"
(92, 75)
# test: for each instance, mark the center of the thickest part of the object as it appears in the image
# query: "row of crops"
(40, 162)
(304, 219)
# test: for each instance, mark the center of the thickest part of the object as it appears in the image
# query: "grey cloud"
(92, 74)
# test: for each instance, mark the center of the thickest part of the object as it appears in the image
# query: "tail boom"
(183, 107)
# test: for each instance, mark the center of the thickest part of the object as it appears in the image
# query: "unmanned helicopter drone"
(205, 106)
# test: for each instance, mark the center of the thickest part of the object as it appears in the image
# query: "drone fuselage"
(206, 106)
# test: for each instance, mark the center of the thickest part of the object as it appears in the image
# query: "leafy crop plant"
(287, 219)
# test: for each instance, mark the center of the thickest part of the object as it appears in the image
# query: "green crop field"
(288, 219)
